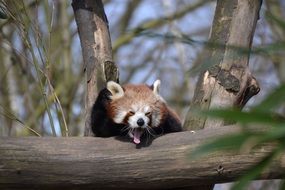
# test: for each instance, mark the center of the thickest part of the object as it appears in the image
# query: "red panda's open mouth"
(137, 133)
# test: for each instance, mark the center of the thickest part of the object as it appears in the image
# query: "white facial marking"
(156, 117)
(140, 111)
(146, 109)
(120, 116)
(134, 119)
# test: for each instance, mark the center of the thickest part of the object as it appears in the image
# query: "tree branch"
(99, 163)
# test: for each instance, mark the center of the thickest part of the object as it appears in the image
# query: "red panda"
(133, 110)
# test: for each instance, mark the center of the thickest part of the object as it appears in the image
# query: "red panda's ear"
(156, 87)
(115, 89)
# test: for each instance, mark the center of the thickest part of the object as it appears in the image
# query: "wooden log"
(98, 163)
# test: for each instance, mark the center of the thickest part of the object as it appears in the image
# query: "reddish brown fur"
(135, 94)
(127, 118)
(112, 111)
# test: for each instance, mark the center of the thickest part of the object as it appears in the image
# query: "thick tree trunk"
(227, 81)
(97, 50)
(97, 163)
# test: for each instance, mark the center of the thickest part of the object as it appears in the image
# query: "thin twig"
(59, 104)
(12, 116)
(124, 39)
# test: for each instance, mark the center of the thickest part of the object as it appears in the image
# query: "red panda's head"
(138, 107)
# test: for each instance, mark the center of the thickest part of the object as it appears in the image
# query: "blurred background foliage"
(41, 68)
(42, 78)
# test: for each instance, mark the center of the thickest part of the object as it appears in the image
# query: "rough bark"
(227, 82)
(97, 163)
(97, 50)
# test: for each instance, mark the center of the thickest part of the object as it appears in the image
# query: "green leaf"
(275, 133)
(228, 142)
(273, 100)
(255, 170)
(244, 117)
(282, 185)
(275, 19)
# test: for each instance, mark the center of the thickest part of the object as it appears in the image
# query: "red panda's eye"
(132, 113)
(148, 113)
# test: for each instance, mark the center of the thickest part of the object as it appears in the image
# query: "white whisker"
(147, 137)
(125, 128)
(150, 131)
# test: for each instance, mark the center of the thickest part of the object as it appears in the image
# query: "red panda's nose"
(140, 122)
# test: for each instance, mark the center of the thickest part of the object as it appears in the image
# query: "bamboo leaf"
(275, 19)
(255, 170)
(244, 117)
(276, 98)
(229, 142)
(276, 133)
(282, 185)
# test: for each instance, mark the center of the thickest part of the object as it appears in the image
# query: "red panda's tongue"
(137, 136)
